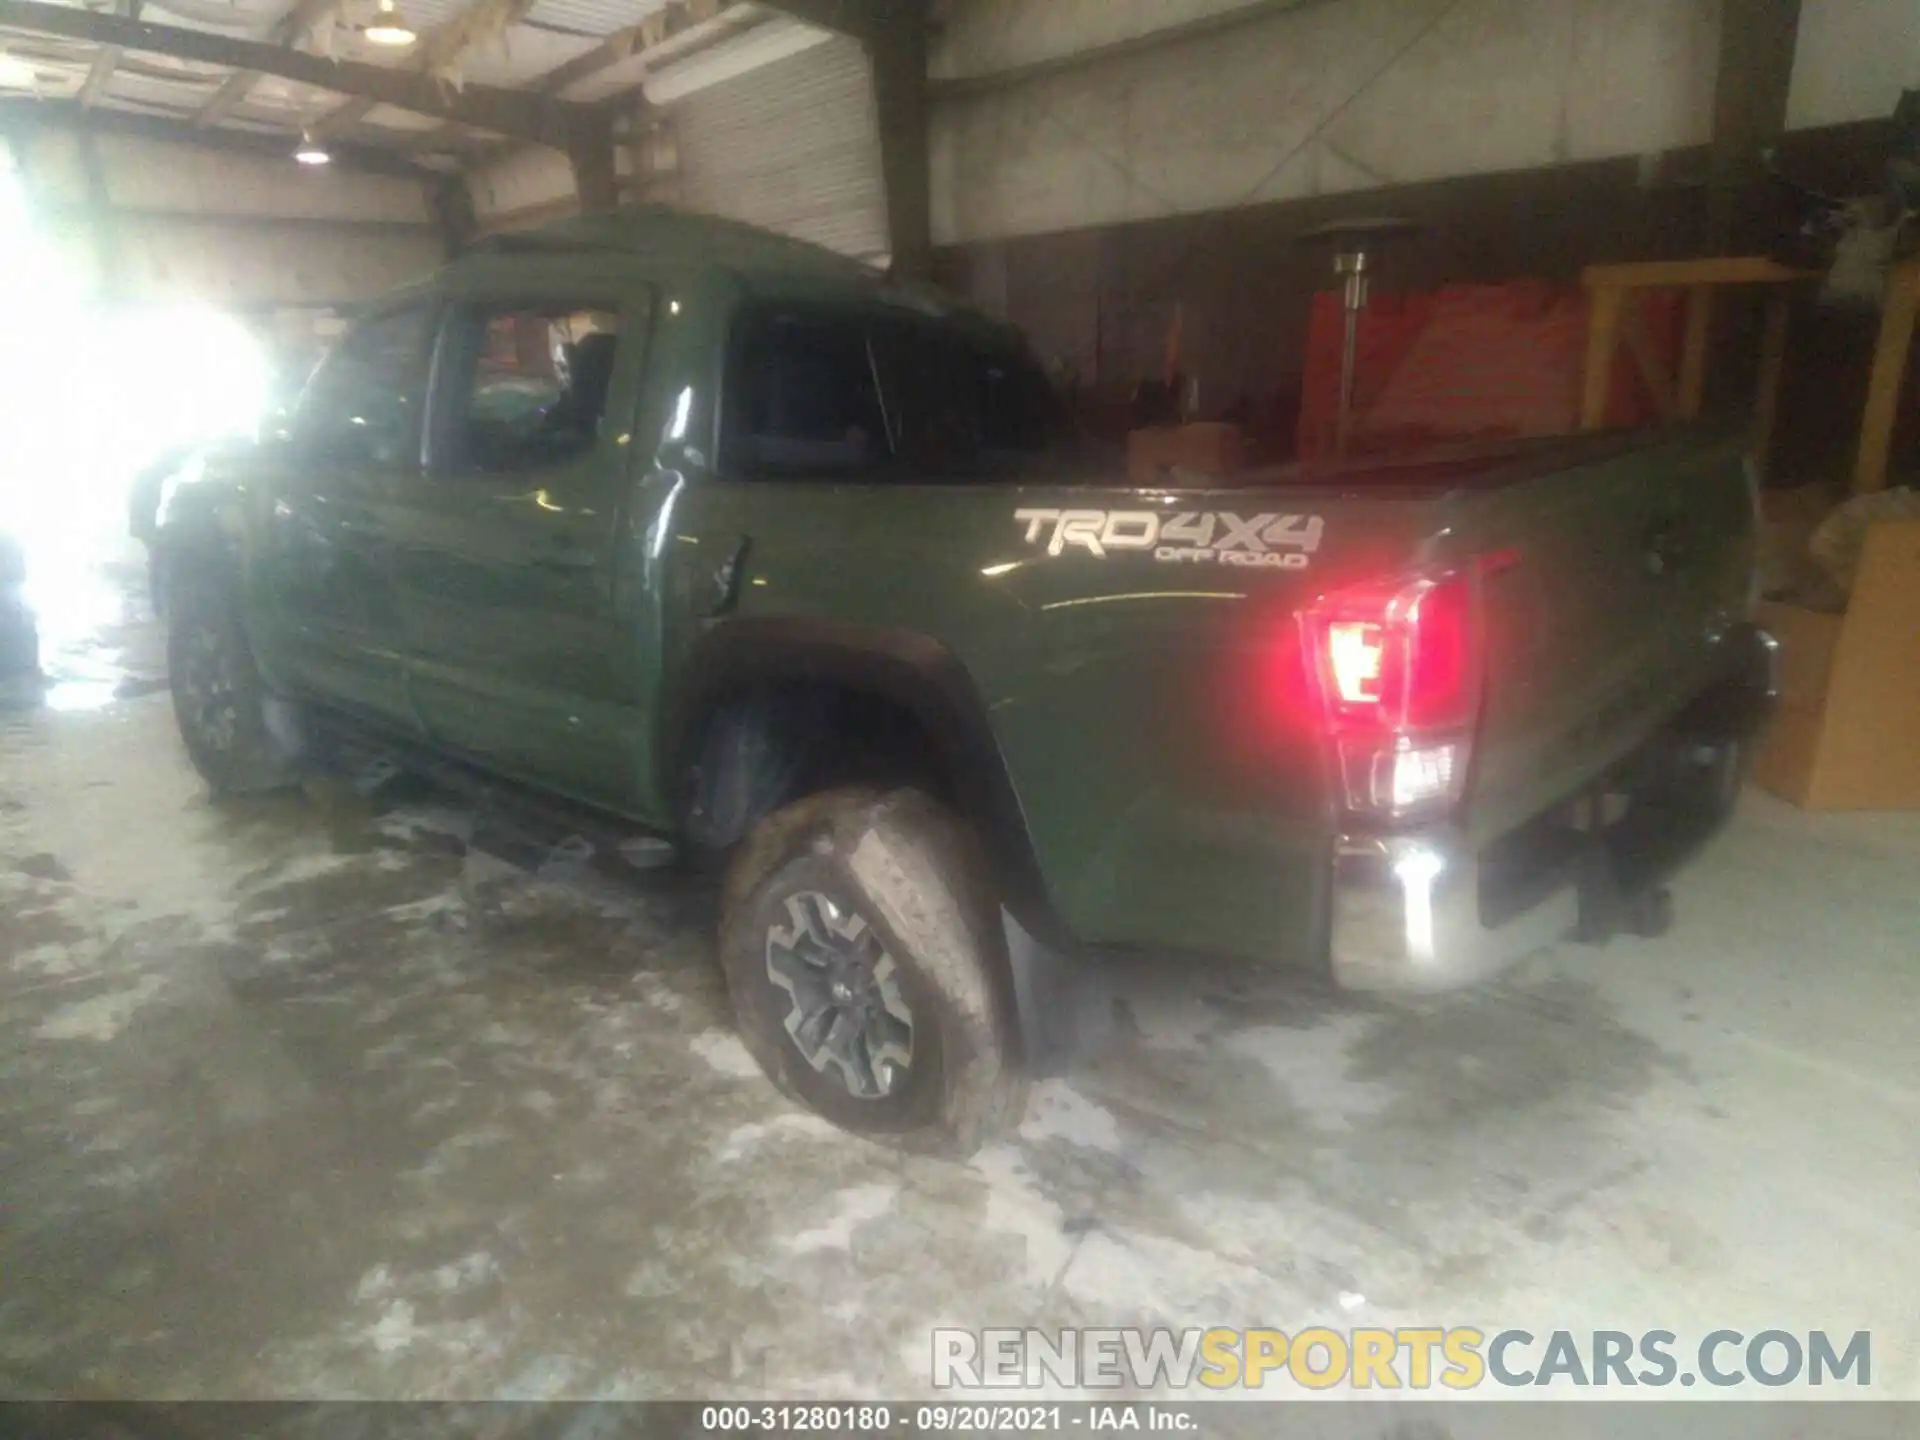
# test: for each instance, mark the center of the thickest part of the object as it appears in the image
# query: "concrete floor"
(299, 1100)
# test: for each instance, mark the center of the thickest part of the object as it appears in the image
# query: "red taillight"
(1441, 673)
(1356, 655)
(1398, 656)
(1399, 670)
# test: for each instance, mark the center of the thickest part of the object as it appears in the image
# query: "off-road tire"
(220, 701)
(912, 871)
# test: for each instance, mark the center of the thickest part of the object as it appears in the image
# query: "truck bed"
(1474, 466)
(1609, 566)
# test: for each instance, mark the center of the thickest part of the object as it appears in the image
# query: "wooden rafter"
(99, 76)
(100, 73)
(649, 33)
(292, 28)
(654, 30)
(440, 50)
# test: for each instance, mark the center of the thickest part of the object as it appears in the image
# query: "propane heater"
(1355, 245)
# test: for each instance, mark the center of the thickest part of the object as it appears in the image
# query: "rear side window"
(805, 399)
(958, 404)
(362, 406)
(827, 392)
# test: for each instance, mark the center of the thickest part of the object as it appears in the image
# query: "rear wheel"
(863, 953)
(219, 699)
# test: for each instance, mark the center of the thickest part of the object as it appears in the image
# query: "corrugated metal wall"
(267, 263)
(793, 147)
(1338, 99)
(148, 220)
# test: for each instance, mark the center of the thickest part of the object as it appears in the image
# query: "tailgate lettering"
(1270, 542)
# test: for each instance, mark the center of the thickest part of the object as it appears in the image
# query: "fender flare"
(910, 670)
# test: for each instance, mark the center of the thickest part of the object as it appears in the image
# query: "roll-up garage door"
(792, 147)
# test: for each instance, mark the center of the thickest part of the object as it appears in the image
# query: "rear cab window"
(875, 393)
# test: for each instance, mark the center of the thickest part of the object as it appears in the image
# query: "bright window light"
(89, 396)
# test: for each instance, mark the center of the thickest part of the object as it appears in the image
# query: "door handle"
(728, 577)
(1665, 547)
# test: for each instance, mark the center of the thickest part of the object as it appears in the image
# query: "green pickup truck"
(690, 530)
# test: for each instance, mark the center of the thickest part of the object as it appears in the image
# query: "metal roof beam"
(898, 50)
(468, 30)
(537, 118)
(857, 18)
(655, 30)
(67, 115)
(293, 27)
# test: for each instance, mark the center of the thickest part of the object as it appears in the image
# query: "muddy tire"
(220, 702)
(863, 951)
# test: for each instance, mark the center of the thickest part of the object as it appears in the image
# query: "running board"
(519, 826)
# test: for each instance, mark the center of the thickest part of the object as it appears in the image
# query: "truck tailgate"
(1607, 585)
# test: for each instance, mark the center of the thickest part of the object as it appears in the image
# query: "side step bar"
(523, 828)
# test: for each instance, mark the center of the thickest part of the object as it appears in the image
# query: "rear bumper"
(1406, 916)
(1428, 910)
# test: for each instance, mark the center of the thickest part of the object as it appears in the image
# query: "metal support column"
(897, 47)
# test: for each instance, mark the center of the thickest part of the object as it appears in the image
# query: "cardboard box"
(1808, 639)
(1215, 450)
(1788, 519)
(1848, 733)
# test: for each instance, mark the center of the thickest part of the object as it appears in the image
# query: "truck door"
(326, 587)
(523, 649)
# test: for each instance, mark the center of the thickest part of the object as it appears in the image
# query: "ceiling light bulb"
(311, 151)
(387, 27)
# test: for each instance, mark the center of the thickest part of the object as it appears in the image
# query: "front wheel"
(220, 701)
(863, 952)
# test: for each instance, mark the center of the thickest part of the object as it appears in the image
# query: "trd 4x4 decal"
(1214, 537)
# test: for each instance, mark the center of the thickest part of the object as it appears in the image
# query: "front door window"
(526, 387)
(362, 407)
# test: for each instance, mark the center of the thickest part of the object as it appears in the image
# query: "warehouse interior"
(306, 1096)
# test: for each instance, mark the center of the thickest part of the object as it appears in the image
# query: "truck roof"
(661, 233)
(664, 236)
(776, 265)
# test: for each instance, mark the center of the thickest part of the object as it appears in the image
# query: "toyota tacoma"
(694, 531)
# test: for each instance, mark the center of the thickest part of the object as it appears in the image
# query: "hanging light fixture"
(310, 151)
(389, 27)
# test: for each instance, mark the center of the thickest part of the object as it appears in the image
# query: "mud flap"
(1065, 1005)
